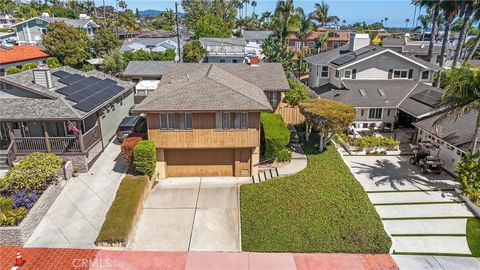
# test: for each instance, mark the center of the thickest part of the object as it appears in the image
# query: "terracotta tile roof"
(21, 53)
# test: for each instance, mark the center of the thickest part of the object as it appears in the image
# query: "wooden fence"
(291, 115)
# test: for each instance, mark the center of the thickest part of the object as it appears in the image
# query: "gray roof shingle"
(223, 41)
(257, 35)
(146, 68)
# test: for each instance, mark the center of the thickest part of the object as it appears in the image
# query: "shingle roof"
(21, 53)
(146, 68)
(223, 41)
(214, 87)
(50, 105)
(325, 57)
(78, 23)
(458, 132)
(397, 42)
(256, 34)
(414, 107)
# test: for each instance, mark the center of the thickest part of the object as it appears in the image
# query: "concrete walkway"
(190, 214)
(422, 213)
(77, 215)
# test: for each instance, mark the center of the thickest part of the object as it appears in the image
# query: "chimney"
(42, 76)
(254, 61)
(45, 15)
(358, 41)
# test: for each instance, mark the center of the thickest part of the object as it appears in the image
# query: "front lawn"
(473, 235)
(321, 209)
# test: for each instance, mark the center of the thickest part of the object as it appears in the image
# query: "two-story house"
(30, 31)
(6, 21)
(63, 111)
(418, 49)
(253, 40)
(224, 50)
(205, 118)
(386, 87)
(335, 39)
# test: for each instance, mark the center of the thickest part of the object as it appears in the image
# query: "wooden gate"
(291, 115)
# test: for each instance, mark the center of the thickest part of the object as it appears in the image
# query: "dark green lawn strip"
(473, 235)
(321, 209)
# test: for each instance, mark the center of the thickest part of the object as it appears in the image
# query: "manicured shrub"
(12, 70)
(468, 171)
(121, 215)
(127, 148)
(6, 204)
(22, 198)
(277, 136)
(34, 172)
(13, 217)
(284, 155)
(144, 157)
(366, 142)
(28, 66)
(52, 62)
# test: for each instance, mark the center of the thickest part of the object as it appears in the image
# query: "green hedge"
(468, 171)
(120, 216)
(145, 157)
(277, 137)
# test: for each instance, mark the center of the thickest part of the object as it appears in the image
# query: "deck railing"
(30, 144)
(64, 144)
(91, 136)
(11, 156)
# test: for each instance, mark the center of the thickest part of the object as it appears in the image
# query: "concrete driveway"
(422, 213)
(190, 214)
(77, 215)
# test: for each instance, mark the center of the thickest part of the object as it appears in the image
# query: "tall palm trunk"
(474, 48)
(445, 42)
(301, 60)
(463, 32)
(436, 12)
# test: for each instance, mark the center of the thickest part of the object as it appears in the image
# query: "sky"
(352, 11)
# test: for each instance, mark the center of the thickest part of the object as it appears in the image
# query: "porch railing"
(64, 144)
(11, 156)
(30, 144)
(91, 136)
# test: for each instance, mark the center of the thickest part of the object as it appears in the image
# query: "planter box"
(475, 209)
(363, 152)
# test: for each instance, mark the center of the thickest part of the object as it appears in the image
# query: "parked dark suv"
(132, 125)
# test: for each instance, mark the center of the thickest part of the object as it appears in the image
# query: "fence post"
(47, 137)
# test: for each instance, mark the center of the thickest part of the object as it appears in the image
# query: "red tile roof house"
(16, 56)
(335, 39)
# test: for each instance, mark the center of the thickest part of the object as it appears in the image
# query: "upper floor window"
(272, 98)
(225, 120)
(375, 113)
(347, 74)
(400, 73)
(298, 45)
(324, 73)
(184, 121)
(426, 75)
(311, 45)
(241, 120)
(166, 121)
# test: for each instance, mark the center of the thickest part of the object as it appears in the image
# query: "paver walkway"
(77, 215)
(190, 214)
(52, 259)
(422, 213)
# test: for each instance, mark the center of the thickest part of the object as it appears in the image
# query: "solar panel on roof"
(344, 59)
(84, 106)
(428, 97)
(71, 79)
(61, 74)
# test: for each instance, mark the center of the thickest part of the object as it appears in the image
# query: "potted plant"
(76, 170)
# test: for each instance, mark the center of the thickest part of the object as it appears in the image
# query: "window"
(166, 121)
(336, 45)
(185, 121)
(225, 120)
(425, 75)
(243, 120)
(347, 74)
(337, 73)
(388, 112)
(38, 21)
(311, 45)
(247, 41)
(375, 113)
(298, 45)
(362, 112)
(324, 72)
(272, 98)
(222, 60)
(400, 74)
(44, 30)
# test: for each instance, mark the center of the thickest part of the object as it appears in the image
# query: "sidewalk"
(43, 258)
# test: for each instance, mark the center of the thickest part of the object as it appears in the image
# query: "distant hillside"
(149, 12)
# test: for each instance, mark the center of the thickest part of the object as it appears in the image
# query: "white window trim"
(393, 74)
(429, 76)
(322, 71)
(351, 73)
(381, 114)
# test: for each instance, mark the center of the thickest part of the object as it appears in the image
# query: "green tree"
(320, 14)
(193, 52)
(68, 44)
(298, 92)
(284, 12)
(469, 7)
(52, 62)
(114, 62)
(104, 41)
(450, 10)
(277, 52)
(328, 117)
(211, 26)
(166, 21)
(434, 7)
(12, 70)
(468, 171)
(195, 9)
(29, 66)
(305, 27)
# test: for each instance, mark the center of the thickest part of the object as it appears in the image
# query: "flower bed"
(369, 145)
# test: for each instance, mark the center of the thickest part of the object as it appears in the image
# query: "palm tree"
(433, 6)
(320, 14)
(284, 10)
(246, 2)
(385, 21)
(344, 22)
(266, 16)
(240, 8)
(475, 45)
(467, 9)
(254, 4)
(462, 95)
(407, 20)
(450, 10)
(304, 29)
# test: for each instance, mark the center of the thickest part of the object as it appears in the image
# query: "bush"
(284, 155)
(121, 215)
(52, 62)
(12, 70)
(145, 157)
(22, 198)
(6, 204)
(34, 172)
(29, 66)
(370, 141)
(13, 217)
(277, 136)
(127, 148)
(468, 171)
(297, 93)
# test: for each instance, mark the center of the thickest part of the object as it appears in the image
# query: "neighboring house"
(417, 49)
(335, 39)
(16, 56)
(386, 87)
(63, 111)
(6, 21)
(454, 137)
(253, 40)
(152, 45)
(145, 70)
(30, 31)
(224, 50)
(205, 118)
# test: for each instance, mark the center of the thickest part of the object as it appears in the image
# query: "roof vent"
(42, 76)
(362, 92)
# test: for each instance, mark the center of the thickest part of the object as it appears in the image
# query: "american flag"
(73, 127)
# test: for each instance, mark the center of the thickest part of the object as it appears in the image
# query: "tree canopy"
(104, 41)
(226, 10)
(68, 44)
(114, 62)
(193, 52)
(166, 21)
(211, 26)
(326, 116)
(298, 92)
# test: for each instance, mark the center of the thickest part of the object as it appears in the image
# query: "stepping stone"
(423, 210)
(431, 244)
(426, 226)
(413, 197)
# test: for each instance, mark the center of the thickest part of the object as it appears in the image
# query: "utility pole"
(116, 7)
(178, 34)
(104, 13)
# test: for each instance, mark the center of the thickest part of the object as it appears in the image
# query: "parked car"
(132, 125)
